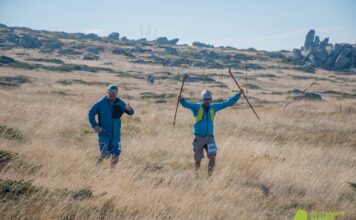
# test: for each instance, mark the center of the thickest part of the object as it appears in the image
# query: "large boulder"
(164, 40)
(316, 41)
(329, 63)
(310, 96)
(324, 42)
(114, 36)
(95, 50)
(52, 44)
(337, 49)
(27, 41)
(321, 54)
(6, 60)
(211, 55)
(342, 62)
(120, 51)
(171, 50)
(329, 50)
(92, 36)
(353, 50)
(297, 55)
(201, 45)
(309, 39)
(79, 35)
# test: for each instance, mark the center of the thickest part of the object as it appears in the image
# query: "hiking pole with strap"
(301, 95)
(180, 93)
(244, 95)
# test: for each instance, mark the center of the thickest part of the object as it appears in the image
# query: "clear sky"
(268, 25)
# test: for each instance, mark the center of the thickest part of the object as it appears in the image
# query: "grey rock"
(210, 54)
(201, 45)
(342, 62)
(114, 36)
(69, 52)
(353, 51)
(316, 41)
(171, 50)
(297, 55)
(137, 50)
(27, 41)
(52, 44)
(324, 42)
(95, 50)
(329, 63)
(6, 60)
(90, 57)
(346, 51)
(120, 51)
(329, 50)
(309, 39)
(321, 54)
(337, 49)
(79, 35)
(225, 56)
(91, 36)
(311, 96)
(164, 40)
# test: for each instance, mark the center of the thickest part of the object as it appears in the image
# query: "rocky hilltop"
(322, 54)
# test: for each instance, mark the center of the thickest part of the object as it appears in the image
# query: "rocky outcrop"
(114, 36)
(27, 41)
(164, 40)
(202, 45)
(322, 54)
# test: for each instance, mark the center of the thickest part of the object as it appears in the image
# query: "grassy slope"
(299, 158)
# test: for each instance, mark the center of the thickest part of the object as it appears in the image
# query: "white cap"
(206, 94)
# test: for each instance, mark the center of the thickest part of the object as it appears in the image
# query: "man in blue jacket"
(204, 113)
(109, 109)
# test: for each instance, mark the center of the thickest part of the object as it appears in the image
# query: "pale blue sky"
(269, 25)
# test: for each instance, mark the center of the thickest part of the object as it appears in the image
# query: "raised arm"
(186, 104)
(226, 103)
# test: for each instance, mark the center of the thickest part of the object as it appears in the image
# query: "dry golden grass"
(302, 157)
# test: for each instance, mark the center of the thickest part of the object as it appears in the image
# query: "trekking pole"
(246, 76)
(300, 94)
(244, 95)
(180, 93)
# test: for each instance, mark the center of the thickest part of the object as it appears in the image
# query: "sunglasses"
(207, 99)
(112, 91)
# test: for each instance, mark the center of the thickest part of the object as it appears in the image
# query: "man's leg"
(114, 161)
(198, 147)
(211, 165)
(115, 152)
(104, 151)
(197, 165)
(211, 151)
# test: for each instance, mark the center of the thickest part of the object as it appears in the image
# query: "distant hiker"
(151, 78)
(109, 109)
(204, 113)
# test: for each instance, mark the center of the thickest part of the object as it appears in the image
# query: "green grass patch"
(14, 190)
(11, 133)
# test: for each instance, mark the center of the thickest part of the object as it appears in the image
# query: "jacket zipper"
(207, 122)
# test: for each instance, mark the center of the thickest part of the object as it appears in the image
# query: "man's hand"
(97, 129)
(180, 98)
(128, 107)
